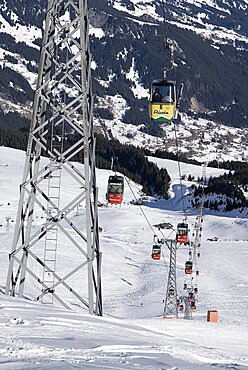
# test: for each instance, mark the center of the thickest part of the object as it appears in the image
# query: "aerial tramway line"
(187, 300)
(164, 102)
(164, 106)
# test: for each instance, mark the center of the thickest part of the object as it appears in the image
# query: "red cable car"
(191, 297)
(156, 252)
(193, 306)
(182, 233)
(188, 267)
(115, 189)
(181, 308)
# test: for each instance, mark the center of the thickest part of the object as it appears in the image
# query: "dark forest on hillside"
(129, 160)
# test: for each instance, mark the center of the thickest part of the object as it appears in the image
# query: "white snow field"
(132, 334)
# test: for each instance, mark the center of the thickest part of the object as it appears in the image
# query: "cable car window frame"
(118, 182)
(112, 190)
(166, 89)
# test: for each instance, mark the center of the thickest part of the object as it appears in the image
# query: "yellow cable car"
(163, 101)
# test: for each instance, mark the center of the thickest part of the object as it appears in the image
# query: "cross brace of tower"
(59, 257)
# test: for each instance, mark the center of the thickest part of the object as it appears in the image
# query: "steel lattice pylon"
(62, 131)
(171, 309)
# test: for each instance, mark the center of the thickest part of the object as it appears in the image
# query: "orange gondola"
(193, 306)
(115, 189)
(182, 233)
(191, 297)
(188, 267)
(156, 252)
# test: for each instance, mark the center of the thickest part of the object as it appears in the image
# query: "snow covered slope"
(132, 332)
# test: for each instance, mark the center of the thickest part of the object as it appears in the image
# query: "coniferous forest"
(129, 160)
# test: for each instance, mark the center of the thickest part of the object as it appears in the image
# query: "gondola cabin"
(171, 293)
(191, 297)
(162, 101)
(188, 267)
(193, 306)
(182, 236)
(115, 189)
(156, 252)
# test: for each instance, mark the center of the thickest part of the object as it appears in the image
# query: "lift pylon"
(58, 257)
(171, 309)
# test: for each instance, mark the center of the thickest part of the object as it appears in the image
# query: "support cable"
(167, 43)
(180, 175)
(146, 218)
(129, 185)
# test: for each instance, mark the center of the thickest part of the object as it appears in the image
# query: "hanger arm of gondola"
(180, 94)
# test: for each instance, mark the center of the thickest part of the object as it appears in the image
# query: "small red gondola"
(188, 267)
(115, 189)
(182, 233)
(181, 308)
(191, 297)
(156, 252)
(193, 306)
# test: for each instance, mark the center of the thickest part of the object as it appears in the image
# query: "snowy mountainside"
(210, 40)
(132, 332)
(199, 139)
(212, 18)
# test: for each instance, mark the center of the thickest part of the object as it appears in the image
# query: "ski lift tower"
(171, 309)
(57, 258)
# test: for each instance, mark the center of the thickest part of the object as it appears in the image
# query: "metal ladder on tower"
(51, 238)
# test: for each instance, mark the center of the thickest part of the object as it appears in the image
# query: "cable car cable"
(180, 174)
(127, 180)
(167, 44)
